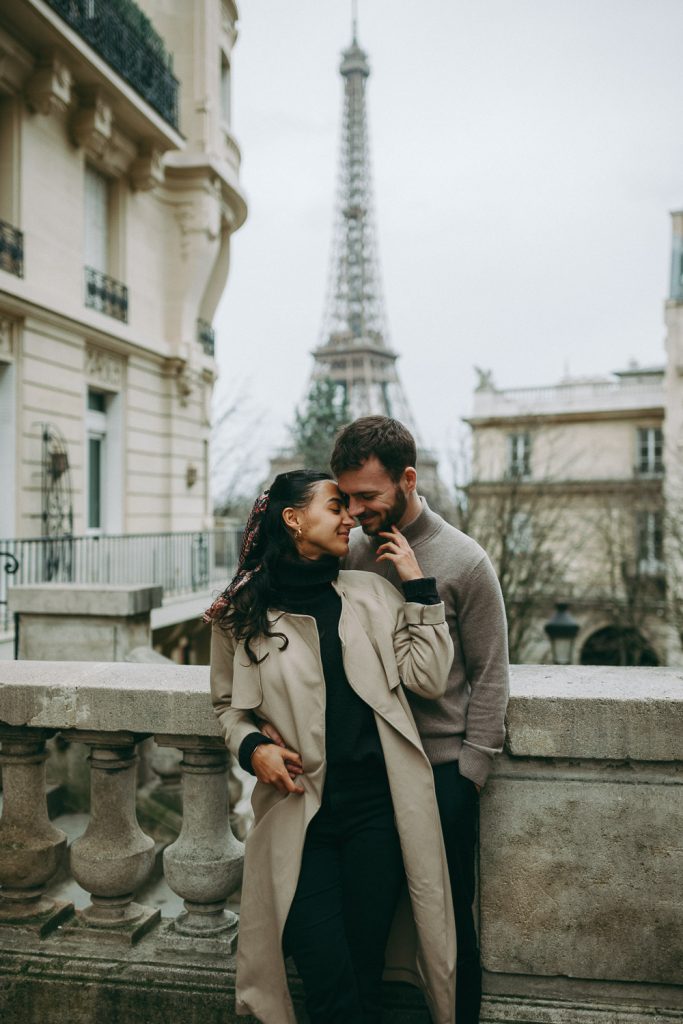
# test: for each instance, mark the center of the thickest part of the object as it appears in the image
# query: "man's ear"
(410, 478)
(291, 518)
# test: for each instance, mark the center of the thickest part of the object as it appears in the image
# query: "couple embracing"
(369, 702)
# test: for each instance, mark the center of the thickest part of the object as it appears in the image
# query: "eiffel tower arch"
(354, 349)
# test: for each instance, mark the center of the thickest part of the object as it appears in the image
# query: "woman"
(348, 806)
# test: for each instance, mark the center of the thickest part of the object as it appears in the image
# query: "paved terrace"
(581, 859)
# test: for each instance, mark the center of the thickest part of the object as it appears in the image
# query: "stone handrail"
(580, 909)
(112, 707)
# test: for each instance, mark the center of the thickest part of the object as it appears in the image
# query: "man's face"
(375, 500)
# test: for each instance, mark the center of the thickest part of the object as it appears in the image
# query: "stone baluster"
(204, 865)
(31, 848)
(113, 857)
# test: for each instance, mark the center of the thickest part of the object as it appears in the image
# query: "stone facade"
(123, 218)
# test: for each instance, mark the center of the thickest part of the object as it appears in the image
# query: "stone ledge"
(596, 713)
(84, 599)
(59, 981)
(587, 713)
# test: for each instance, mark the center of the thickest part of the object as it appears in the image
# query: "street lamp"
(562, 629)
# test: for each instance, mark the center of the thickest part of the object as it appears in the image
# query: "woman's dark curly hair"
(247, 614)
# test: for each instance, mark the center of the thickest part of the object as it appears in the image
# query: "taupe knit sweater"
(467, 724)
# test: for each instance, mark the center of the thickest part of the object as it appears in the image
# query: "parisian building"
(119, 195)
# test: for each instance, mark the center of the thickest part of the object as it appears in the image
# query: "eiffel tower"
(354, 351)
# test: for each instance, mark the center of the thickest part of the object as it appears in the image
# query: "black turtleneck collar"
(304, 572)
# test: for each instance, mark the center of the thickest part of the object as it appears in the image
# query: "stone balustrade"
(580, 870)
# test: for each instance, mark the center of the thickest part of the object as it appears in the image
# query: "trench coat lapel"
(360, 657)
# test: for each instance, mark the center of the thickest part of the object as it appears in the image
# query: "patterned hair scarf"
(252, 532)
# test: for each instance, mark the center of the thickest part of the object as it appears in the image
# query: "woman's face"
(325, 523)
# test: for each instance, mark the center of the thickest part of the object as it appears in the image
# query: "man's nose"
(355, 507)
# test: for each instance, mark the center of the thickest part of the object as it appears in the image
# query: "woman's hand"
(270, 764)
(397, 550)
(271, 732)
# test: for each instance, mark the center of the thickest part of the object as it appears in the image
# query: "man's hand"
(397, 550)
(271, 765)
(271, 732)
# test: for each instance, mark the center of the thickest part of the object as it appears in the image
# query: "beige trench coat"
(385, 642)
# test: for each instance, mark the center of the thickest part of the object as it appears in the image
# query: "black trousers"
(350, 879)
(458, 802)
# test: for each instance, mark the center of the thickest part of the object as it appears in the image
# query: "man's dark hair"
(386, 439)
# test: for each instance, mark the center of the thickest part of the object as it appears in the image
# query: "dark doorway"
(614, 646)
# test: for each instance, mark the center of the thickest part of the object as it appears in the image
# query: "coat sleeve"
(422, 643)
(235, 723)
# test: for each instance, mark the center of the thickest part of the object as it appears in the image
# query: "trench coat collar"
(358, 652)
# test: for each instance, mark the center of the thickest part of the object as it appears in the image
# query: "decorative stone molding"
(204, 865)
(105, 369)
(15, 64)
(92, 123)
(49, 89)
(187, 381)
(147, 169)
(31, 848)
(114, 857)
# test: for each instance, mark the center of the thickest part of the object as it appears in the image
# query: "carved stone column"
(31, 848)
(204, 865)
(113, 857)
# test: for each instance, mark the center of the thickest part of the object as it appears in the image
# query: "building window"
(650, 541)
(97, 218)
(519, 455)
(11, 238)
(7, 449)
(226, 91)
(102, 216)
(96, 424)
(649, 457)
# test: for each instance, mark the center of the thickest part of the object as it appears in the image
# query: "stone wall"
(580, 906)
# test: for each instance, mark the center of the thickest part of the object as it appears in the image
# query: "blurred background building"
(119, 194)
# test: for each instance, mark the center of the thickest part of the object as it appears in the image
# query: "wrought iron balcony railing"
(181, 563)
(124, 36)
(105, 294)
(206, 337)
(11, 249)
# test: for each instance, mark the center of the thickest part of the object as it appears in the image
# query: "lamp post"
(562, 629)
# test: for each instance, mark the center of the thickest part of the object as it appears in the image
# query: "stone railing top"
(564, 712)
(90, 599)
(596, 712)
(107, 697)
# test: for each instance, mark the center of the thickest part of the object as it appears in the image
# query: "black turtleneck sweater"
(305, 588)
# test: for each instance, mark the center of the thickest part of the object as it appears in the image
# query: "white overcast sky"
(526, 155)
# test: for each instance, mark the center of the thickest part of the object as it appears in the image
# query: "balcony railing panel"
(123, 35)
(106, 294)
(181, 563)
(206, 337)
(11, 249)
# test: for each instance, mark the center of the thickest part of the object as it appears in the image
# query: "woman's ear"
(291, 518)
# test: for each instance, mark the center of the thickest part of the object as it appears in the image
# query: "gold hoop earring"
(298, 533)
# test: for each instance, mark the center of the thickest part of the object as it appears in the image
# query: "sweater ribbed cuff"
(421, 591)
(474, 764)
(247, 748)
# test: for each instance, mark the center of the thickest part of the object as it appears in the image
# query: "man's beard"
(390, 518)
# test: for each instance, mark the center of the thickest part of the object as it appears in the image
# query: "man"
(374, 462)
